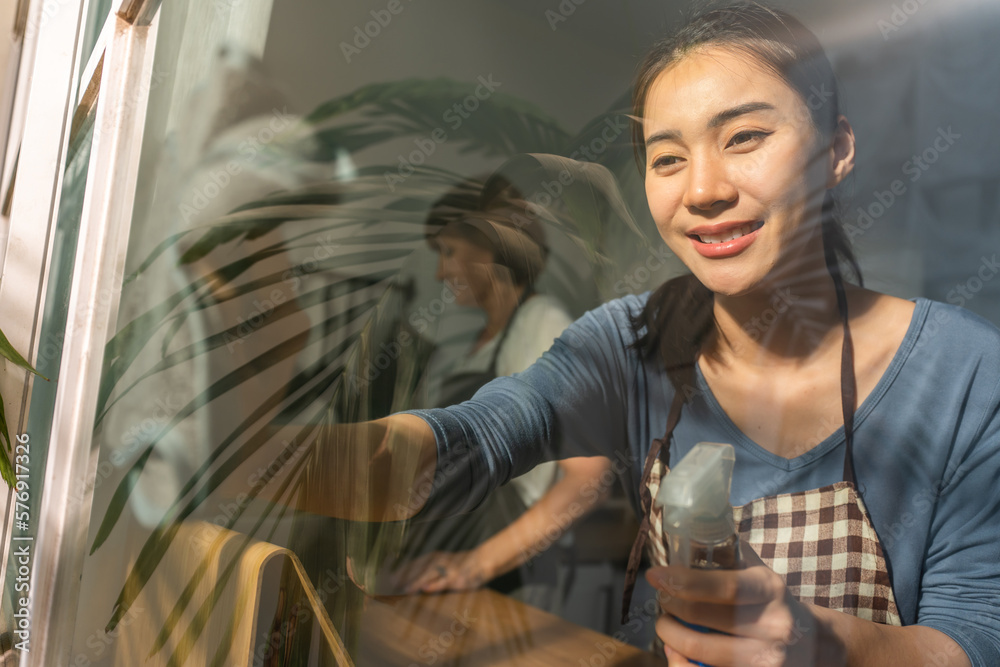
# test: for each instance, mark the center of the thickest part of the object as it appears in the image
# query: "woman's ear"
(841, 152)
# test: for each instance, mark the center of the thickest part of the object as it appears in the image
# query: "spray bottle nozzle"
(695, 494)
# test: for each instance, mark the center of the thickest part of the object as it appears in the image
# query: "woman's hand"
(441, 571)
(765, 625)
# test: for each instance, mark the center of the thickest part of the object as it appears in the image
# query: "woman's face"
(735, 173)
(465, 268)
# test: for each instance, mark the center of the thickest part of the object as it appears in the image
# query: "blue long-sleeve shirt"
(926, 452)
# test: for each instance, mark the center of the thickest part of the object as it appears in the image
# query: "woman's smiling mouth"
(731, 234)
(724, 240)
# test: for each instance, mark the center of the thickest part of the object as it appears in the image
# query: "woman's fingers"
(439, 585)
(714, 649)
(752, 605)
(753, 585)
(423, 572)
(675, 659)
(737, 620)
(439, 572)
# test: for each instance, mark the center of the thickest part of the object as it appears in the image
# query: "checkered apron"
(820, 541)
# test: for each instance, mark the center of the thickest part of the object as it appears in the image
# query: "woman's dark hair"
(499, 224)
(678, 315)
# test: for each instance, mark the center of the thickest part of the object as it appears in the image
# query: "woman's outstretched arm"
(372, 471)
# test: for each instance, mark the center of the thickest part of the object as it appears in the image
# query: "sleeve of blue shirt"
(569, 403)
(960, 587)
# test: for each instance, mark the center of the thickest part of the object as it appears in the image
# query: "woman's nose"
(708, 184)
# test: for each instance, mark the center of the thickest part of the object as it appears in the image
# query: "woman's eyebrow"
(727, 115)
(717, 120)
(665, 135)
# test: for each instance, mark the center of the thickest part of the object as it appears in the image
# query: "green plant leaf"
(7, 351)
(502, 124)
(6, 469)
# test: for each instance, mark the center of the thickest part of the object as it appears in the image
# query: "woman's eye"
(665, 161)
(747, 137)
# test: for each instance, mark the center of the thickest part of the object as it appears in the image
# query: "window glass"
(318, 239)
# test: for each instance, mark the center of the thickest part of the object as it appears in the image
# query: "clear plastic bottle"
(697, 517)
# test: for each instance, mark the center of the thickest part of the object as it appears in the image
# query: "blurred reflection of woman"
(491, 260)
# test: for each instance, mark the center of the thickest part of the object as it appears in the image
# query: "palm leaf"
(6, 469)
(502, 125)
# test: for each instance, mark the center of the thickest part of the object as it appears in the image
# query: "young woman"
(866, 427)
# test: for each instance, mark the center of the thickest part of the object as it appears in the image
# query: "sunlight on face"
(735, 173)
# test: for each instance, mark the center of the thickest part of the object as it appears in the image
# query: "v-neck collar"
(746, 443)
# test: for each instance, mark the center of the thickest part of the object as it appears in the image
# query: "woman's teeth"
(732, 234)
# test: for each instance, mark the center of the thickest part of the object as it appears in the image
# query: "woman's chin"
(728, 285)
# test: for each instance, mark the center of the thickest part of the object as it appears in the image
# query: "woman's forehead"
(706, 83)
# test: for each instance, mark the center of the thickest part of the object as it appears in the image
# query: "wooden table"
(480, 628)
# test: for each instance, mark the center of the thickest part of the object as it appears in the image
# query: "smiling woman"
(741, 143)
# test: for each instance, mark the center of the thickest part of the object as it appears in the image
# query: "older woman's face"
(465, 268)
(735, 173)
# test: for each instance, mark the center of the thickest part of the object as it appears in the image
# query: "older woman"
(490, 260)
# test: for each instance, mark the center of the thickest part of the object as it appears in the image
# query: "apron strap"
(635, 555)
(848, 385)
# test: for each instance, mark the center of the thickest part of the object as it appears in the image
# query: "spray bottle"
(697, 517)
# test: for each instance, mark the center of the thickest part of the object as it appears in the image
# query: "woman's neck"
(499, 306)
(788, 323)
